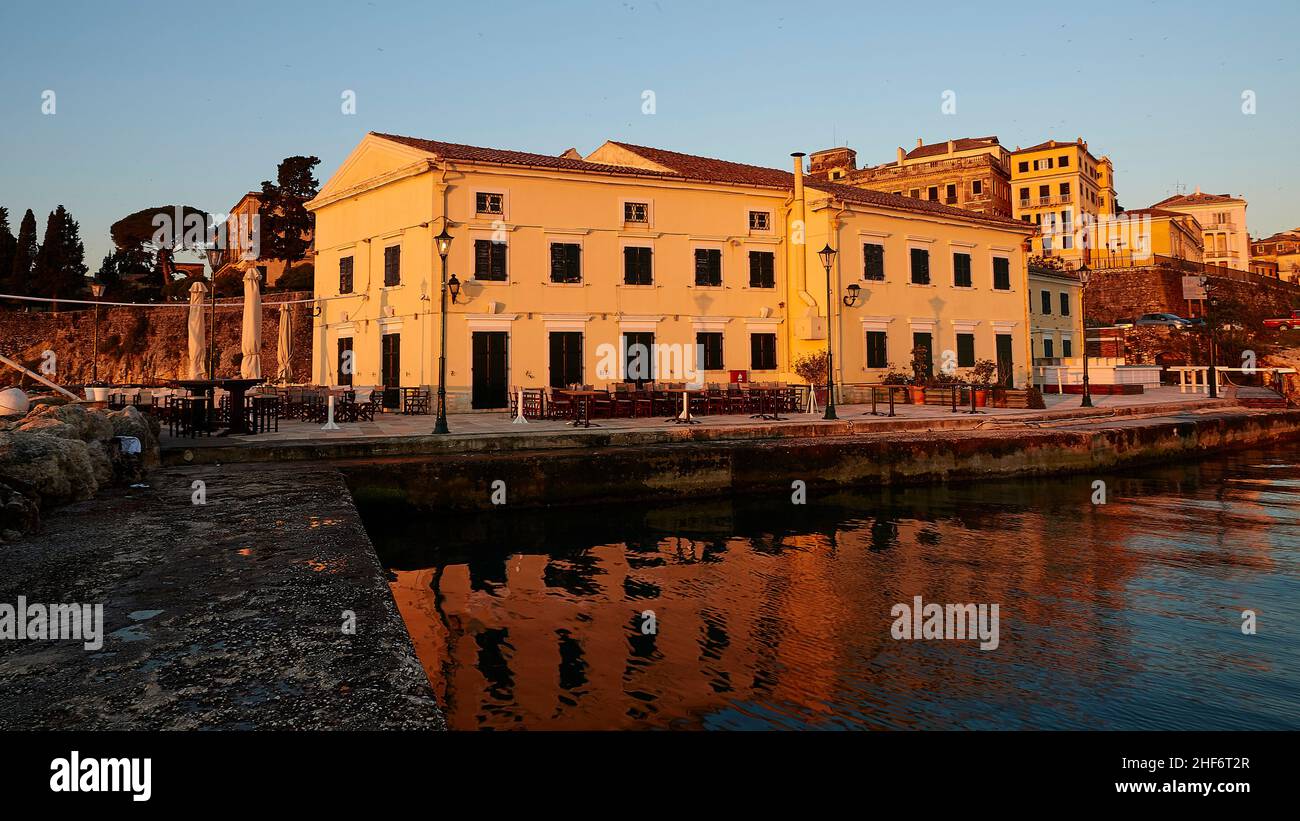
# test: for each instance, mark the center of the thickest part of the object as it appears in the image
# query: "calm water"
(770, 615)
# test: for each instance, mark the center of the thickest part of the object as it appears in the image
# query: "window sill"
(920, 284)
(390, 287)
(963, 287)
(565, 284)
(647, 287)
(478, 281)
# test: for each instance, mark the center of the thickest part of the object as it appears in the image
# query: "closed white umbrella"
(250, 367)
(198, 366)
(284, 346)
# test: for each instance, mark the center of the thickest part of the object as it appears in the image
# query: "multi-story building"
(1277, 256)
(1059, 188)
(1055, 314)
(1223, 226)
(1142, 236)
(569, 268)
(971, 173)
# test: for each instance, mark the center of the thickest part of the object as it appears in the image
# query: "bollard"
(519, 417)
(954, 399)
(891, 401)
(329, 420)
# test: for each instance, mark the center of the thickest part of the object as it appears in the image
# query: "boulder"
(58, 469)
(90, 424)
(48, 424)
(19, 512)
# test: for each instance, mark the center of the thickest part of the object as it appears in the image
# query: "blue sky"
(160, 103)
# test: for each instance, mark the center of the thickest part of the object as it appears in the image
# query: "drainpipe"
(834, 223)
(800, 215)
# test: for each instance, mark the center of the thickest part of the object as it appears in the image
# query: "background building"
(1223, 225)
(1053, 184)
(1278, 255)
(240, 244)
(1055, 314)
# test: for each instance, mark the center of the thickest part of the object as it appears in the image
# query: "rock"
(101, 464)
(48, 400)
(91, 424)
(19, 512)
(58, 469)
(14, 401)
(48, 424)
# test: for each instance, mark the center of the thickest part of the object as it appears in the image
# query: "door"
(346, 362)
(491, 353)
(638, 357)
(566, 358)
(924, 340)
(1006, 362)
(390, 368)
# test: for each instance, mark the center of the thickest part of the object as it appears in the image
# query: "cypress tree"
(8, 247)
(60, 269)
(20, 272)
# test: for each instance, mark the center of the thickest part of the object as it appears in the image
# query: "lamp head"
(828, 256)
(443, 242)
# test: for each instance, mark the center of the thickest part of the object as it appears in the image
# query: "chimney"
(919, 142)
(798, 176)
(902, 155)
(952, 146)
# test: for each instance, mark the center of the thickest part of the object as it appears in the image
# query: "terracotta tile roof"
(707, 169)
(1156, 212)
(473, 153)
(1047, 144)
(960, 144)
(1196, 199)
(866, 196)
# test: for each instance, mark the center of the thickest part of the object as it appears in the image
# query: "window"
(566, 262)
(1001, 274)
(873, 262)
(915, 193)
(1047, 302)
(1024, 195)
(1065, 304)
(965, 350)
(920, 266)
(392, 266)
(711, 343)
(977, 187)
(1067, 348)
(1044, 191)
(487, 203)
(876, 350)
(345, 275)
(638, 356)
(950, 194)
(1024, 167)
(1065, 189)
(1065, 161)
(762, 271)
(932, 193)
(760, 220)
(1047, 347)
(762, 352)
(489, 260)
(925, 340)
(346, 362)
(638, 266)
(961, 271)
(636, 212)
(708, 267)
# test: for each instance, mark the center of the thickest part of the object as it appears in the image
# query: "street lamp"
(453, 285)
(852, 299)
(1085, 274)
(214, 254)
(1211, 319)
(97, 291)
(443, 242)
(827, 255)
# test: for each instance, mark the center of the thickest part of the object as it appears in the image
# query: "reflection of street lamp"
(443, 241)
(828, 258)
(214, 254)
(1085, 274)
(97, 291)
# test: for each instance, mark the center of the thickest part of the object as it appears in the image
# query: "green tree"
(159, 232)
(286, 225)
(20, 272)
(128, 275)
(8, 247)
(60, 268)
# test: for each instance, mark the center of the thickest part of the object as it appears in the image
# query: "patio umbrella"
(198, 366)
(284, 346)
(250, 367)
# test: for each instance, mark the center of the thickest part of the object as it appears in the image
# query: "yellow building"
(1055, 314)
(1143, 236)
(1277, 256)
(1059, 188)
(242, 242)
(568, 265)
(1223, 226)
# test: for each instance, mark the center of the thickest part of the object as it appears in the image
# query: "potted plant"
(981, 379)
(811, 368)
(920, 375)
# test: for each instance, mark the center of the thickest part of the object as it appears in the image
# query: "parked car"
(1169, 320)
(1286, 324)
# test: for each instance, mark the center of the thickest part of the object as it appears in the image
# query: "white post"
(1182, 381)
(685, 414)
(519, 417)
(1060, 380)
(812, 399)
(329, 421)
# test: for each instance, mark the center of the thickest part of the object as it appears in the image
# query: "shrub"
(811, 367)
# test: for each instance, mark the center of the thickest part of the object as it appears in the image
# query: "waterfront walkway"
(396, 434)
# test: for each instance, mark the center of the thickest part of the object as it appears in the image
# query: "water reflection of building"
(790, 628)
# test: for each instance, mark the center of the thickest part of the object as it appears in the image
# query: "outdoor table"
(237, 389)
(684, 418)
(584, 397)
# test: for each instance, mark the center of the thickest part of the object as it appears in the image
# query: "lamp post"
(214, 255)
(97, 291)
(1085, 274)
(1211, 319)
(827, 255)
(443, 241)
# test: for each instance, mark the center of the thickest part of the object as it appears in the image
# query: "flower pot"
(981, 397)
(916, 394)
(98, 394)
